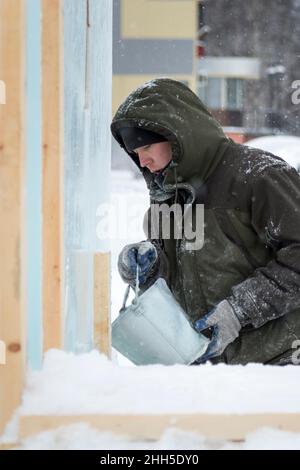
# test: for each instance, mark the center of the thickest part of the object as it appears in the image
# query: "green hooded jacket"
(251, 198)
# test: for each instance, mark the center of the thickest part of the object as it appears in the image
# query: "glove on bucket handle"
(136, 290)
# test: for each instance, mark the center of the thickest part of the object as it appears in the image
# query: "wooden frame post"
(102, 328)
(52, 176)
(12, 223)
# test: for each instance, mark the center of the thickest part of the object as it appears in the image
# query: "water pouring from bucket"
(154, 329)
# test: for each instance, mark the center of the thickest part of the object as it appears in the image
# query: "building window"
(235, 92)
(221, 93)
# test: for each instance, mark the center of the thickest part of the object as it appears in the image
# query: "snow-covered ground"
(89, 383)
(284, 146)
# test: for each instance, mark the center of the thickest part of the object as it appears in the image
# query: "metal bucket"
(154, 329)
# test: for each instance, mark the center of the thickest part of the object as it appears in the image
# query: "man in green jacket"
(243, 285)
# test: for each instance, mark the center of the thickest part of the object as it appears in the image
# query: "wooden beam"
(52, 177)
(215, 426)
(9, 446)
(102, 319)
(12, 279)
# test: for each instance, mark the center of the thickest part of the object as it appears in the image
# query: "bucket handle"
(136, 290)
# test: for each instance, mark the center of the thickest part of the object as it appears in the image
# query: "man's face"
(155, 156)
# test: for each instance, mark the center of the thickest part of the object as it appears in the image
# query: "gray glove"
(225, 327)
(142, 254)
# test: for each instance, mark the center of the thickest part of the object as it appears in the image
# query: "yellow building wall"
(154, 19)
(160, 19)
(125, 84)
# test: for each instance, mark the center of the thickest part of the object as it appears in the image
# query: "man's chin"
(154, 169)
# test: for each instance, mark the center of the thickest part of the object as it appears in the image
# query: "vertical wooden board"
(102, 321)
(52, 187)
(12, 292)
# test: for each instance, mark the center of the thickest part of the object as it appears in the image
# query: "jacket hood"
(171, 109)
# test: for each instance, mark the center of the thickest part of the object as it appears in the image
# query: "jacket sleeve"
(273, 290)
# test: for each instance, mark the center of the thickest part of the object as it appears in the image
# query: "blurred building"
(249, 60)
(241, 58)
(151, 38)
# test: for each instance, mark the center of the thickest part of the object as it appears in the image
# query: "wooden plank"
(9, 446)
(102, 318)
(12, 279)
(52, 177)
(230, 427)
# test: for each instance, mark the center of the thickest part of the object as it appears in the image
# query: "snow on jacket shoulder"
(273, 192)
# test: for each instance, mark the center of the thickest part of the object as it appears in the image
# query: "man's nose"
(143, 159)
